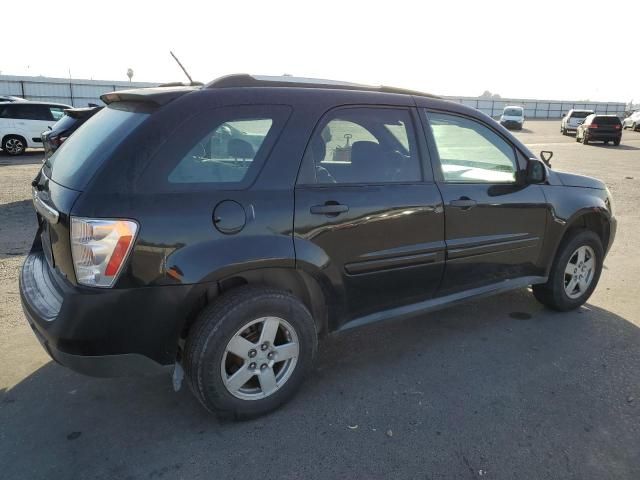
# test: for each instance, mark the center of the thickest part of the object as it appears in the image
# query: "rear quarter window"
(222, 148)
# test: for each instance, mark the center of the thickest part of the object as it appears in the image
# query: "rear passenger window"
(363, 145)
(223, 155)
(470, 152)
(27, 111)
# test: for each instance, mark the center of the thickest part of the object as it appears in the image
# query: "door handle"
(329, 208)
(464, 203)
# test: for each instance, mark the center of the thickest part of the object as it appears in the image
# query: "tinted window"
(223, 155)
(471, 152)
(25, 111)
(607, 120)
(75, 162)
(65, 123)
(6, 110)
(363, 145)
(580, 114)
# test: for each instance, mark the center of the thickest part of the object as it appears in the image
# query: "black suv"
(224, 229)
(602, 128)
(72, 120)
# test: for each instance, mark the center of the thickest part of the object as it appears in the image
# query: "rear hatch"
(66, 174)
(577, 118)
(606, 125)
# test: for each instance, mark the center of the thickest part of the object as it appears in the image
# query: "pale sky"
(528, 49)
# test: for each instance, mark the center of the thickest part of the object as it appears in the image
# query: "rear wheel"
(249, 351)
(634, 127)
(575, 272)
(14, 145)
(616, 142)
(585, 139)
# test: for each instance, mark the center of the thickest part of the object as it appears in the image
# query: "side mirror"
(536, 171)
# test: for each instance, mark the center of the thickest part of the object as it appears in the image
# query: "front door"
(368, 216)
(494, 224)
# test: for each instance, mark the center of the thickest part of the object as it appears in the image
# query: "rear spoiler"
(82, 112)
(155, 95)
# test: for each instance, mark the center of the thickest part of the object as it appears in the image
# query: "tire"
(563, 131)
(207, 355)
(634, 127)
(14, 145)
(553, 294)
(585, 139)
(616, 142)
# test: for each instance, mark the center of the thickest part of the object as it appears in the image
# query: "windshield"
(75, 162)
(513, 112)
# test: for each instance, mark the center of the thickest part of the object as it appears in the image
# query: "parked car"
(573, 119)
(632, 121)
(512, 117)
(22, 124)
(11, 98)
(72, 120)
(602, 128)
(225, 229)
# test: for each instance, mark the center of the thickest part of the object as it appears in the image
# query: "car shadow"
(30, 157)
(622, 146)
(496, 384)
(17, 226)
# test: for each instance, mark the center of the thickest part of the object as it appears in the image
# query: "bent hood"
(573, 180)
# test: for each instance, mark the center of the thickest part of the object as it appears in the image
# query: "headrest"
(237, 148)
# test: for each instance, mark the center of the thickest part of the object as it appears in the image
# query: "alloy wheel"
(14, 146)
(579, 272)
(260, 358)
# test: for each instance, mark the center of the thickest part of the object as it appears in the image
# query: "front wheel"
(249, 351)
(575, 272)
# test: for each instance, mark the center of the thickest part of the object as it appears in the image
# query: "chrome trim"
(50, 213)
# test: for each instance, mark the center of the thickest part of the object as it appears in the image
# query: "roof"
(243, 80)
(157, 95)
(29, 102)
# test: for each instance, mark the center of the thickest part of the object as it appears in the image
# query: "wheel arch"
(317, 297)
(20, 136)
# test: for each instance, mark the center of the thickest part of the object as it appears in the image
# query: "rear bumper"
(114, 332)
(595, 135)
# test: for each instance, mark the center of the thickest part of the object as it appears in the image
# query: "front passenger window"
(471, 152)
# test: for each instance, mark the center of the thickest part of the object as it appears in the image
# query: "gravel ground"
(496, 388)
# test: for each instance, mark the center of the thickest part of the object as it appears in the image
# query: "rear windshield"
(76, 161)
(607, 120)
(513, 112)
(65, 123)
(580, 114)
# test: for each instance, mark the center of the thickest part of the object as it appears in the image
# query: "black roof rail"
(244, 80)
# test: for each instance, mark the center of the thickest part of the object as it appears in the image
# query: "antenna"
(183, 69)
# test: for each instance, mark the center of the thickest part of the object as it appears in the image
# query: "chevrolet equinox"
(220, 231)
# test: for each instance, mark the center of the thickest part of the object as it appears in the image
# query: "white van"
(512, 117)
(22, 124)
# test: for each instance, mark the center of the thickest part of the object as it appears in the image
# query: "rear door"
(494, 225)
(367, 212)
(33, 119)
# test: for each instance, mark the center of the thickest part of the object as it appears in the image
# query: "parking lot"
(495, 388)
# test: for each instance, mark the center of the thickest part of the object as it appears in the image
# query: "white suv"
(572, 120)
(632, 121)
(22, 124)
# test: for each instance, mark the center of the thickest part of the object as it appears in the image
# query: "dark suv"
(225, 228)
(602, 128)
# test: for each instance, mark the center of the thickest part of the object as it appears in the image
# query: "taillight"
(593, 125)
(99, 249)
(61, 140)
(618, 127)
